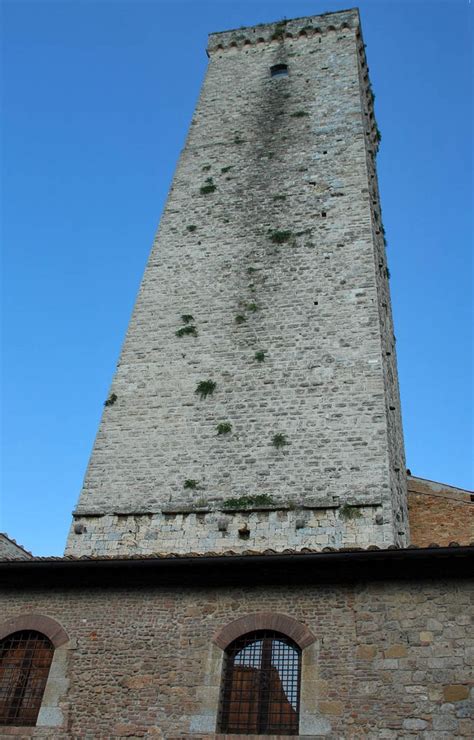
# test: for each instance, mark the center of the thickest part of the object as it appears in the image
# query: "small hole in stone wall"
(315, 303)
(279, 70)
(323, 214)
(244, 532)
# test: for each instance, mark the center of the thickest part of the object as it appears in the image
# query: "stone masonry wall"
(205, 530)
(10, 550)
(390, 661)
(268, 247)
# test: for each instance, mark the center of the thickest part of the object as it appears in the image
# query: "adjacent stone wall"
(268, 254)
(10, 550)
(439, 513)
(388, 660)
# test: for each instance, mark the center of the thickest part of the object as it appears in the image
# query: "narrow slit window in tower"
(279, 70)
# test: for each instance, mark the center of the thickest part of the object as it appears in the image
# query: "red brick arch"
(264, 621)
(38, 622)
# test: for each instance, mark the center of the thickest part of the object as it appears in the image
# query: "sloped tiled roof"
(232, 553)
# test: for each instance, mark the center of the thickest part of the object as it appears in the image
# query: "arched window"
(260, 691)
(25, 660)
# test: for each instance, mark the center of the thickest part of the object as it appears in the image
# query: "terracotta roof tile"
(227, 553)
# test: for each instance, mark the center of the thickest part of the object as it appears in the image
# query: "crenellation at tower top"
(256, 400)
(276, 31)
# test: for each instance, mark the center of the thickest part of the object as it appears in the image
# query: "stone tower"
(256, 404)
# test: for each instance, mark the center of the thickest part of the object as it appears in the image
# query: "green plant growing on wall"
(224, 427)
(349, 512)
(206, 168)
(240, 319)
(279, 440)
(246, 502)
(252, 307)
(111, 400)
(188, 330)
(280, 237)
(251, 270)
(260, 356)
(387, 272)
(279, 31)
(209, 187)
(205, 388)
(299, 114)
(279, 197)
(191, 227)
(226, 169)
(186, 318)
(191, 483)
(238, 139)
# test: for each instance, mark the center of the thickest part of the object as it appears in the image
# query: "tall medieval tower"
(256, 402)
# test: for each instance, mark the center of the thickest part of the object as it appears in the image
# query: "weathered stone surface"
(167, 633)
(396, 651)
(331, 707)
(426, 637)
(11, 550)
(274, 216)
(455, 692)
(414, 724)
(138, 682)
(366, 652)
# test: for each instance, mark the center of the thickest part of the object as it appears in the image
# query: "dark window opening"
(261, 685)
(25, 660)
(279, 70)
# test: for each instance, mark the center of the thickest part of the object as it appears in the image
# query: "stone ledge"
(174, 510)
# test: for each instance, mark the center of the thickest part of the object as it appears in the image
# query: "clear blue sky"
(97, 99)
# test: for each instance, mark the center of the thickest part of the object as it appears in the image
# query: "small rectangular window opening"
(279, 70)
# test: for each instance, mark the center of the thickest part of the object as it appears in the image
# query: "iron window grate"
(261, 685)
(25, 660)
